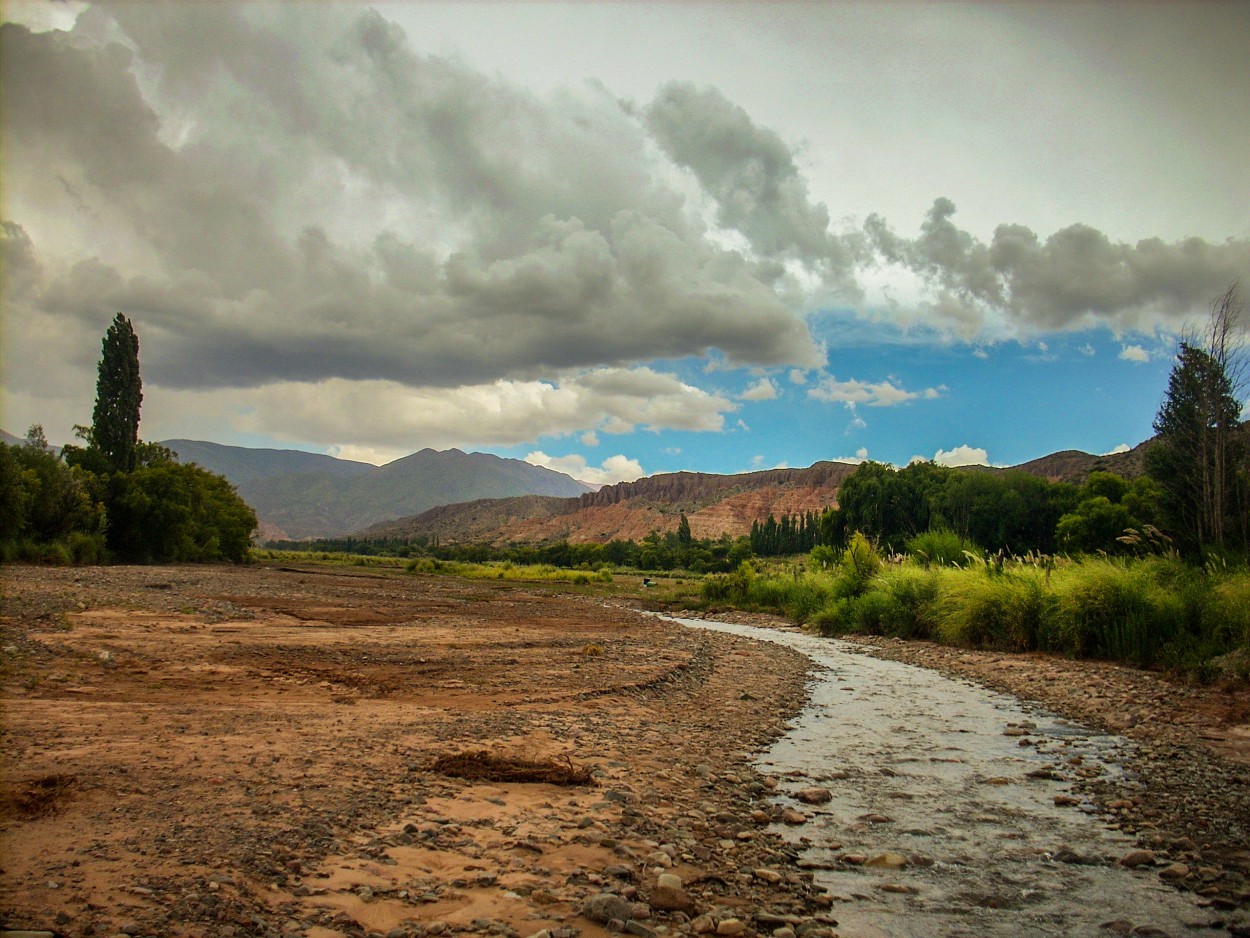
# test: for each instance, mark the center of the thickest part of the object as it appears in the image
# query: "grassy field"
(1153, 612)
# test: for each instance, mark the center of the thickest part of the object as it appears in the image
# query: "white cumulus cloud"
(617, 468)
(964, 455)
(855, 392)
(1134, 353)
(761, 390)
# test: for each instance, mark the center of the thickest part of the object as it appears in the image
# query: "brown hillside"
(714, 504)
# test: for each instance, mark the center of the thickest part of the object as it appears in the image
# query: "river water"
(937, 772)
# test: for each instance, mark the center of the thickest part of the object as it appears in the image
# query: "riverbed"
(952, 808)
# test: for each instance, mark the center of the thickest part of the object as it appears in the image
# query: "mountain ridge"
(300, 495)
(714, 504)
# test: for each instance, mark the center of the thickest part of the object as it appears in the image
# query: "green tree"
(1198, 450)
(683, 531)
(119, 394)
(174, 513)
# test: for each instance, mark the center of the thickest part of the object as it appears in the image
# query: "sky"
(621, 239)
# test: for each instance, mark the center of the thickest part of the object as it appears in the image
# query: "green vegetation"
(1146, 612)
(116, 498)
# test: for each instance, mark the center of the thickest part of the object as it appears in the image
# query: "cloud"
(281, 194)
(1134, 353)
(589, 438)
(861, 455)
(1121, 448)
(750, 173)
(613, 469)
(1076, 277)
(761, 390)
(387, 416)
(798, 376)
(1087, 350)
(854, 392)
(964, 455)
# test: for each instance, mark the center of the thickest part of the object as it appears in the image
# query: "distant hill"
(1072, 465)
(242, 464)
(714, 504)
(299, 495)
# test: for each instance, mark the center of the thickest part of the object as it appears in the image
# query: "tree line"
(116, 497)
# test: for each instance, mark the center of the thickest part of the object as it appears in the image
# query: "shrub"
(942, 547)
(913, 595)
(1007, 611)
(1114, 610)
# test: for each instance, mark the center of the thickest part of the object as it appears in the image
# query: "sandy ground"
(254, 751)
(217, 751)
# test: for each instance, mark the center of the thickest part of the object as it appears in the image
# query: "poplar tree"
(119, 393)
(1198, 451)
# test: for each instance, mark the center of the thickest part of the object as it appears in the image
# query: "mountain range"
(301, 495)
(713, 504)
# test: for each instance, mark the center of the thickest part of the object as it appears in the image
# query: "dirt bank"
(229, 752)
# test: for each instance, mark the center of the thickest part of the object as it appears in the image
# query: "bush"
(1007, 611)
(177, 513)
(1121, 611)
(913, 594)
(942, 547)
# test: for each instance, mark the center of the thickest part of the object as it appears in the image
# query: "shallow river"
(936, 771)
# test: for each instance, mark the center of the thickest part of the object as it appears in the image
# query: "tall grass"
(1148, 612)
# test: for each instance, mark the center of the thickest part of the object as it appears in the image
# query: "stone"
(606, 906)
(792, 817)
(671, 899)
(1174, 871)
(730, 926)
(1066, 801)
(703, 925)
(814, 795)
(635, 927)
(1135, 858)
(671, 880)
(768, 876)
(889, 861)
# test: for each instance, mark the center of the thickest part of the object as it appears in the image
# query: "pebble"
(890, 861)
(1135, 858)
(814, 795)
(730, 926)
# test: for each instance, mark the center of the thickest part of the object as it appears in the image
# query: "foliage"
(1108, 506)
(1200, 455)
(177, 513)
(1155, 611)
(116, 497)
(49, 512)
(119, 394)
(942, 547)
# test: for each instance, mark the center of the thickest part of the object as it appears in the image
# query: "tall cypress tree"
(118, 394)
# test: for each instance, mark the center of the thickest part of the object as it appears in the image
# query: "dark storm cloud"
(513, 236)
(751, 173)
(1076, 273)
(291, 192)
